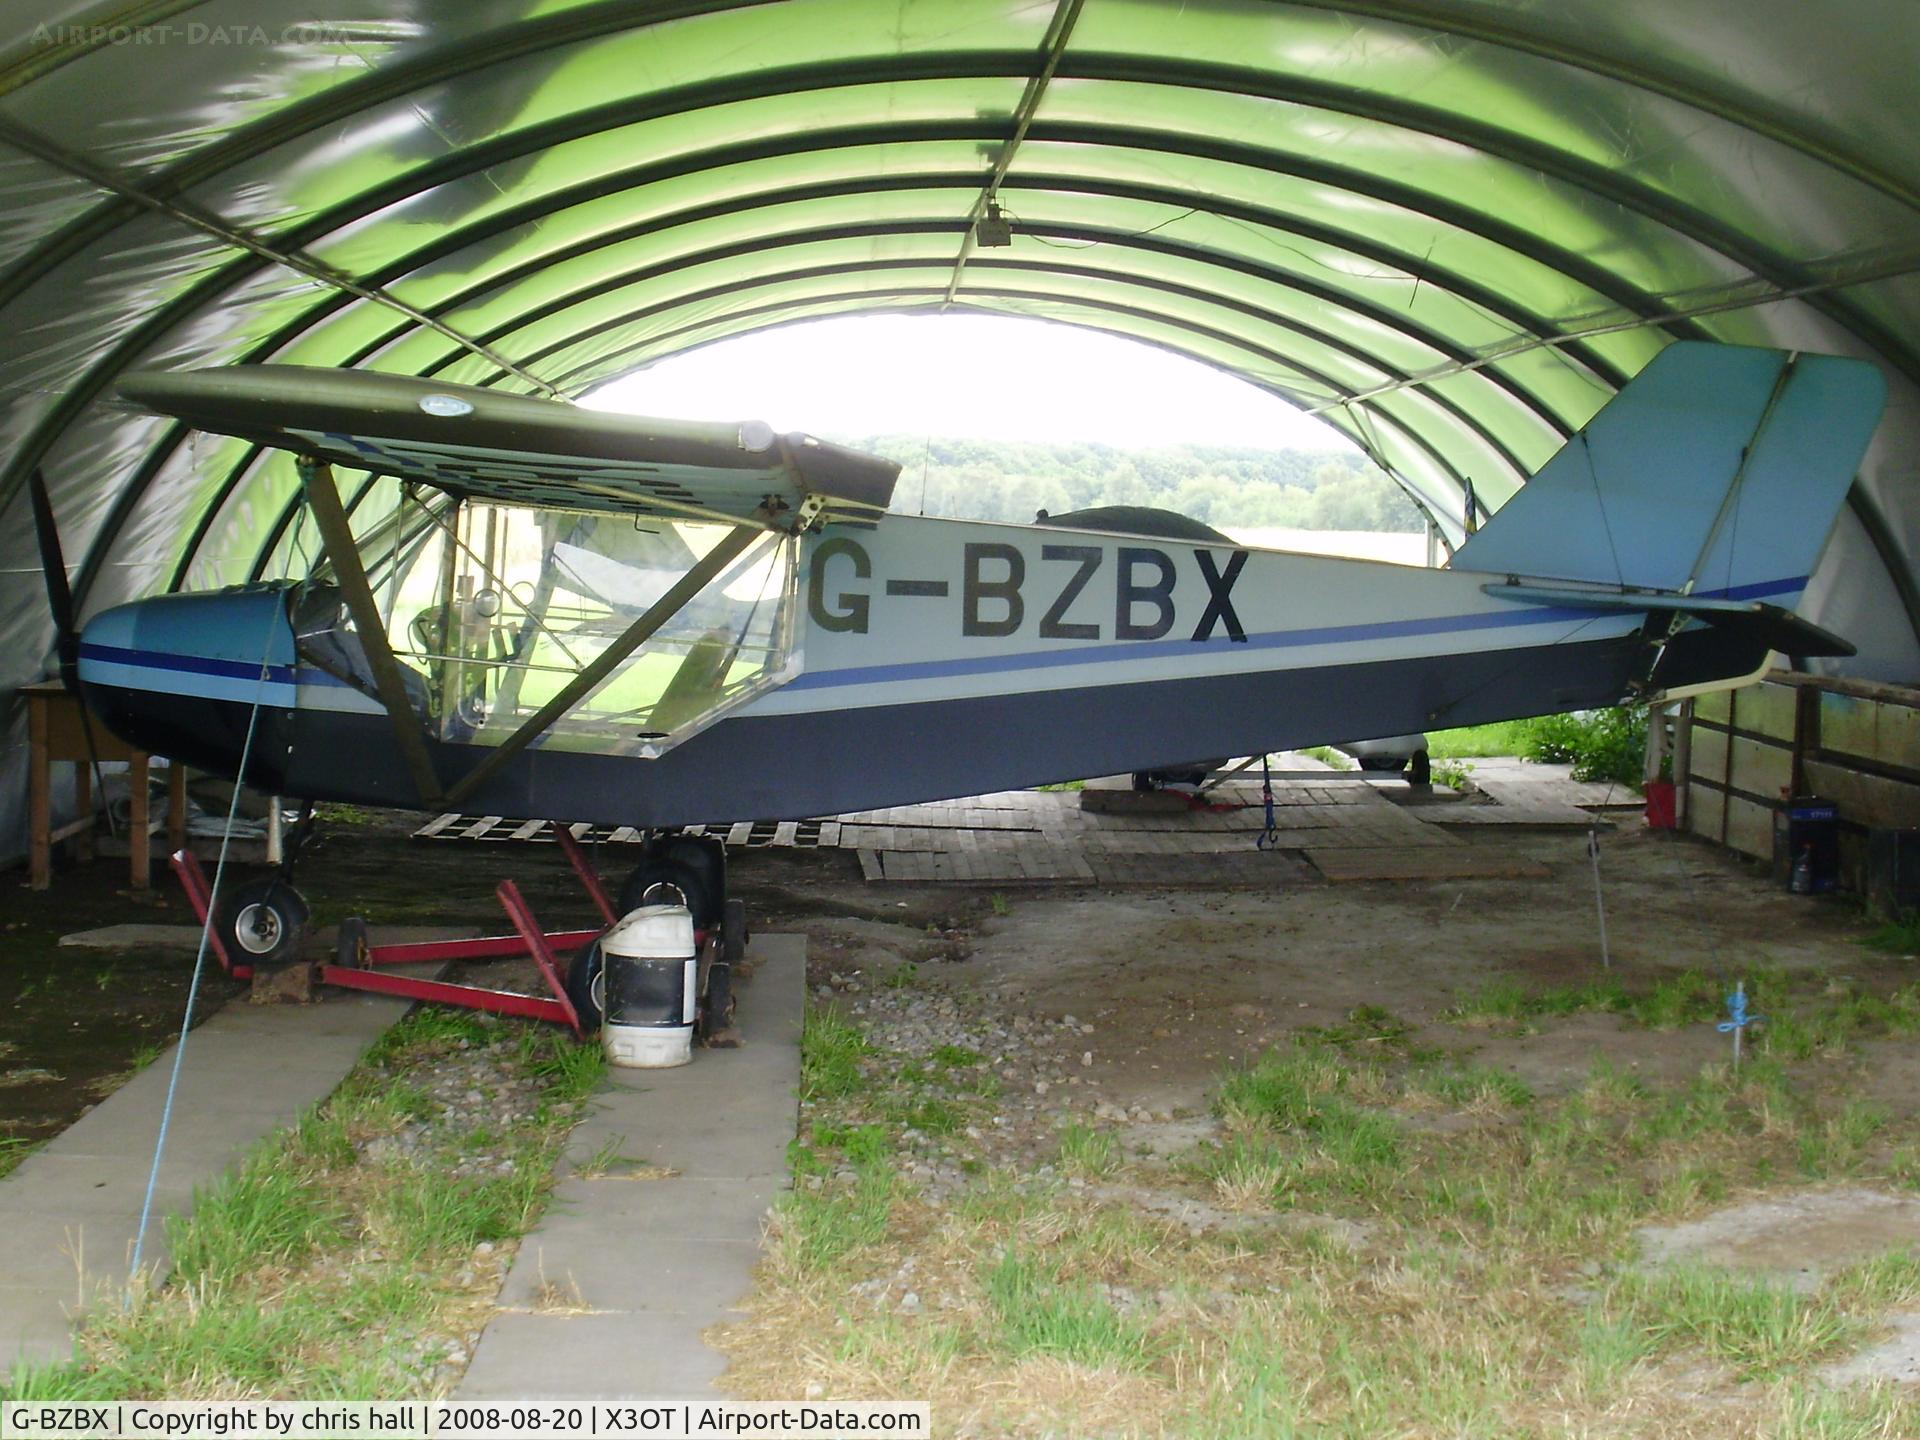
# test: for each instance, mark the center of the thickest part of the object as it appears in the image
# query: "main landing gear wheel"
(733, 932)
(684, 885)
(587, 987)
(694, 865)
(262, 923)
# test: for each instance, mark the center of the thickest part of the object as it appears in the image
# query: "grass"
(923, 1113)
(815, 1230)
(269, 1212)
(1376, 1238)
(1898, 936)
(1792, 1024)
(1760, 1328)
(1475, 742)
(1365, 1025)
(1517, 1000)
(1088, 1153)
(1602, 745)
(831, 1050)
(1333, 759)
(1301, 1129)
(1038, 1313)
(14, 1149)
(1471, 1087)
(1861, 1412)
(327, 1267)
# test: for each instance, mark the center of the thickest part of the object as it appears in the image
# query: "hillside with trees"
(1226, 488)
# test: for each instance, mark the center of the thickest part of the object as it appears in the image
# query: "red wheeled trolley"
(574, 1001)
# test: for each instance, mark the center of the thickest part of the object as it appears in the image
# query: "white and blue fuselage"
(931, 658)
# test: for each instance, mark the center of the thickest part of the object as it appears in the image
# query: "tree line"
(1012, 480)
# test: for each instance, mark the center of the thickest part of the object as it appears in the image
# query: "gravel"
(1041, 1064)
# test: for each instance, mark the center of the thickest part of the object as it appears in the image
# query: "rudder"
(1718, 471)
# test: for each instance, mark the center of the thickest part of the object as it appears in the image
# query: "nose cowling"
(181, 676)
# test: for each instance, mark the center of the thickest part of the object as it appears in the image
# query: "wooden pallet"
(1026, 836)
(752, 834)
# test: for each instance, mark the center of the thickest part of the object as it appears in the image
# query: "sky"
(966, 375)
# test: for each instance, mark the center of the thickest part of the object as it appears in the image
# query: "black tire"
(734, 934)
(716, 1006)
(1383, 764)
(682, 877)
(1420, 769)
(262, 923)
(586, 988)
(350, 950)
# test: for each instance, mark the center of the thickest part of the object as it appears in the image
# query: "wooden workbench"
(59, 728)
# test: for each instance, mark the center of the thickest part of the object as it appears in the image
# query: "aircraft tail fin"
(1716, 472)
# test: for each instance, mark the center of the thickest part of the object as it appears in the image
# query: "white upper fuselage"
(918, 609)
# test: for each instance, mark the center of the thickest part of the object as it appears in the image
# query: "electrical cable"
(1095, 244)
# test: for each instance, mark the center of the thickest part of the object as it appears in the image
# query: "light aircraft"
(588, 616)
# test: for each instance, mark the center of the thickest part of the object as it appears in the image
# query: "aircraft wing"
(521, 449)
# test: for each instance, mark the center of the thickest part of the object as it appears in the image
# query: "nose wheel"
(263, 923)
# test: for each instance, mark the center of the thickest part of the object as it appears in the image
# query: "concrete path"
(609, 1294)
(69, 1212)
(1512, 781)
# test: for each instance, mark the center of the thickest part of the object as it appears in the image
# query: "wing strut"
(637, 634)
(323, 498)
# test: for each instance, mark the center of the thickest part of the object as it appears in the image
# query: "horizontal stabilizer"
(521, 449)
(1750, 621)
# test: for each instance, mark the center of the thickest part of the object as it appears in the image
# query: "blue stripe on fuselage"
(1273, 640)
(186, 664)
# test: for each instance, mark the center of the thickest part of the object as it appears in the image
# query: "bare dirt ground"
(1180, 984)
